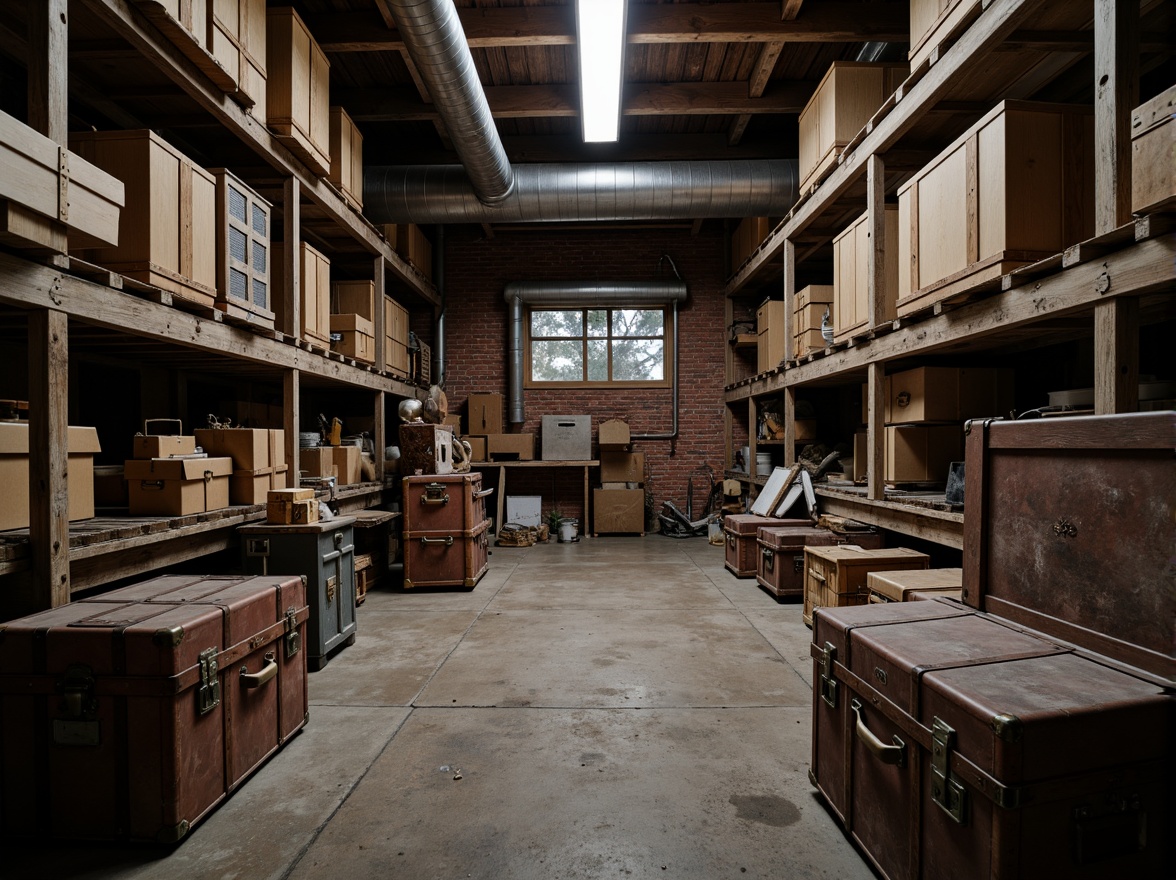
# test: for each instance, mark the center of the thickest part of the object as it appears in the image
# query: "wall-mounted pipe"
(583, 294)
(438, 370)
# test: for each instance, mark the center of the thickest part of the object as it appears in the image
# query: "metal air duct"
(561, 193)
(572, 293)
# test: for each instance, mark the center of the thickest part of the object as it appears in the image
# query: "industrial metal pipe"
(438, 371)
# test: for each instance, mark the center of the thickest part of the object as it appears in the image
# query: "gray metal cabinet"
(325, 553)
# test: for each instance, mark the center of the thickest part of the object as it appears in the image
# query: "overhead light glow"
(600, 32)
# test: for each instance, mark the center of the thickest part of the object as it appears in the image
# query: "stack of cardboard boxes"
(484, 431)
(344, 463)
(353, 313)
(168, 477)
(258, 456)
(618, 506)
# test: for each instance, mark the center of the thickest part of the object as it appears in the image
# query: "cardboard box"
(14, 473)
(922, 453)
(1153, 153)
(278, 477)
(148, 446)
(277, 448)
(250, 449)
(947, 394)
(353, 337)
(567, 438)
(348, 464)
(525, 510)
(484, 414)
(618, 511)
(477, 448)
(617, 466)
(250, 487)
(502, 446)
(177, 486)
(318, 461)
(614, 432)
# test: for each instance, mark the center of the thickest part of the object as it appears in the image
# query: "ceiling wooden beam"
(789, 9)
(760, 77)
(835, 21)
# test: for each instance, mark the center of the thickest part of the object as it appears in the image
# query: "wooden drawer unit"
(851, 275)
(1153, 154)
(396, 360)
(315, 287)
(346, 157)
(810, 306)
(835, 577)
(243, 255)
(167, 234)
(297, 89)
(1016, 187)
(769, 331)
(848, 95)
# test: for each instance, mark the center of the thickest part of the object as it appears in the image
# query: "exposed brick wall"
(476, 272)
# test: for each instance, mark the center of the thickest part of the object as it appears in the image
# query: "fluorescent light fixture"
(600, 34)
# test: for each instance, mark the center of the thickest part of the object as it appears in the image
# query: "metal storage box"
(323, 553)
(567, 438)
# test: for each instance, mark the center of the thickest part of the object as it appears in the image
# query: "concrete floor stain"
(768, 809)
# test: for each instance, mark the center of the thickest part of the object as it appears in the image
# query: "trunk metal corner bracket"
(828, 687)
(208, 694)
(947, 792)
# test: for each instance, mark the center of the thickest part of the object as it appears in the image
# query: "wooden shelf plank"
(942, 527)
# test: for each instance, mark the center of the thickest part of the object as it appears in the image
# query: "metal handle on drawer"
(440, 499)
(256, 680)
(447, 541)
(887, 754)
(484, 493)
(816, 575)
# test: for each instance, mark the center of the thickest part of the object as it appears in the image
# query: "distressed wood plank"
(49, 456)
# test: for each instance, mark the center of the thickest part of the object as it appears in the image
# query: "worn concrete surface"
(613, 708)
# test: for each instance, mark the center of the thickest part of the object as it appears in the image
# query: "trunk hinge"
(208, 694)
(946, 791)
(828, 686)
(293, 637)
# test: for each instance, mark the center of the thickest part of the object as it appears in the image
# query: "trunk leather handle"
(816, 575)
(256, 680)
(887, 754)
(447, 541)
(484, 493)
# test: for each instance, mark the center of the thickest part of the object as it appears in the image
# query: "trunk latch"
(293, 637)
(769, 559)
(946, 791)
(435, 494)
(828, 682)
(208, 694)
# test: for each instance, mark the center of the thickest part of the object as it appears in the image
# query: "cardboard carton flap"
(176, 468)
(14, 438)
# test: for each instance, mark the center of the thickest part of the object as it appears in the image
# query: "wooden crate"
(297, 89)
(921, 453)
(851, 275)
(848, 95)
(835, 577)
(810, 305)
(346, 157)
(748, 236)
(769, 331)
(354, 298)
(1016, 187)
(396, 359)
(414, 247)
(167, 234)
(243, 256)
(352, 336)
(1153, 154)
(315, 287)
(935, 21)
(46, 190)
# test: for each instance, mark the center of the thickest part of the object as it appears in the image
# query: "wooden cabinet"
(851, 275)
(746, 238)
(243, 256)
(297, 89)
(396, 359)
(769, 330)
(1153, 154)
(933, 21)
(354, 298)
(346, 157)
(315, 289)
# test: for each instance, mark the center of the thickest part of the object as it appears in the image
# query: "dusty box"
(510, 446)
(484, 414)
(352, 336)
(426, 449)
(354, 298)
(835, 577)
(748, 236)
(315, 289)
(1153, 153)
(897, 586)
(618, 511)
(348, 464)
(1018, 186)
(947, 394)
(163, 445)
(617, 466)
(921, 453)
(250, 448)
(167, 231)
(14, 473)
(292, 512)
(769, 332)
(477, 448)
(250, 487)
(396, 359)
(851, 275)
(810, 306)
(318, 461)
(243, 258)
(346, 143)
(177, 486)
(566, 438)
(613, 432)
(298, 89)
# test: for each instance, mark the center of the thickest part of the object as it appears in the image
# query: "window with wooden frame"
(595, 347)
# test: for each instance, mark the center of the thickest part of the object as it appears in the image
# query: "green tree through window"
(598, 346)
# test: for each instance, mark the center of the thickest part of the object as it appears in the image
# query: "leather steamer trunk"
(780, 564)
(742, 553)
(133, 714)
(446, 558)
(1069, 528)
(444, 502)
(951, 743)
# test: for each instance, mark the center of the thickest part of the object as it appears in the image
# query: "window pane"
(597, 360)
(557, 323)
(598, 322)
(638, 322)
(638, 360)
(557, 361)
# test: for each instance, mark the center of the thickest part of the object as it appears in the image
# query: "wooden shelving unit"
(1106, 287)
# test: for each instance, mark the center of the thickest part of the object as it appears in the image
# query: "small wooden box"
(354, 298)
(835, 577)
(167, 234)
(243, 257)
(292, 512)
(415, 248)
(748, 236)
(346, 157)
(1018, 186)
(315, 290)
(298, 89)
(848, 95)
(811, 304)
(897, 586)
(933, 21)
(769, 331)
(355, 337)
(851, 275)
(396, 359)
(1153, 154)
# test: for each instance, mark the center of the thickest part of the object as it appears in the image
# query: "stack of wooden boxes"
(167, 477)
(618, 506)
(353, 311)
(812, 303)
(258, 456)
(291, 506)
(769, 333)
(484, 430)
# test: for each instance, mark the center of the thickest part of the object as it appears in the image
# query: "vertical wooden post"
(378, 430)
(876, 432)
(876, 261)
(48, 66)
(1116, 80)
(789, 400)
(292, 263)
(752, 436)
(49, 456)
(789, 416)
(378, 318)
(291, 388)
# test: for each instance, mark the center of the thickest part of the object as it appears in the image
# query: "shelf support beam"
(876, 258)
(292, 420)
(381, 349)
(1116, 356)
(789, 301)
(378, 439)
(876, 432)
(48, 64)
(292, 258)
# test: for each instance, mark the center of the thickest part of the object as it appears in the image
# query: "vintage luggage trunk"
(444, 502)
(324, 554)
(836, 576)
(742, 550)
(133, 714)
(952, 744)
(426, 448)
(901, 586)
(446, 558)
(1070, 526)
(780, 566)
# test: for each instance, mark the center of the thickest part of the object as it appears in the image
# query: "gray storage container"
(325, 553)
(567, 438)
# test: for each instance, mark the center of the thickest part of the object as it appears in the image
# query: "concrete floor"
(613, 708)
